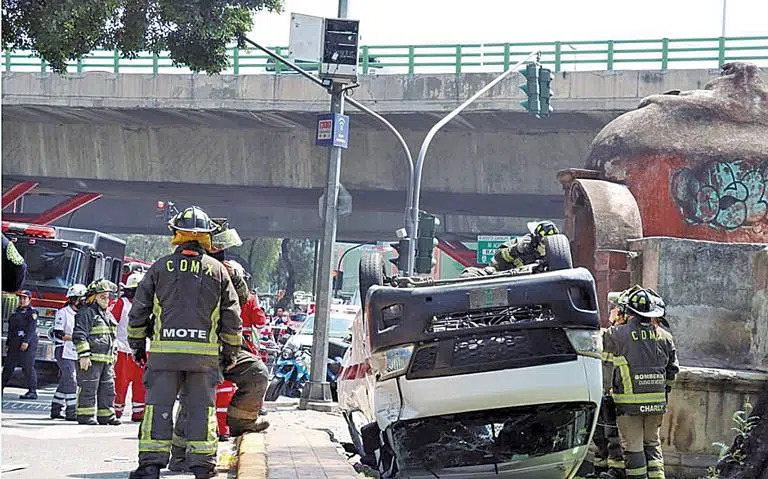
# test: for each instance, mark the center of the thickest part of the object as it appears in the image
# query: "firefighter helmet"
(77, 291)
(540, 229)
(101, 286)
(192, 219)
(644, 303)
(133, 280)
(224, 239)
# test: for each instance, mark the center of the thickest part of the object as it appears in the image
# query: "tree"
(146, 247)
(295, 269)
(262, 254)
(194, 32)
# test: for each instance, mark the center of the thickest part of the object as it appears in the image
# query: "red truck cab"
(58, 257)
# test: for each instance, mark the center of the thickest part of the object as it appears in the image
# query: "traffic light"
(545, 91)
(426, 243)
(531, 89)
(401, 247)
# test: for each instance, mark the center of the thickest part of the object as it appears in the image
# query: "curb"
(252, 456)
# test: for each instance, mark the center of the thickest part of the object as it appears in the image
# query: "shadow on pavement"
(103, 475)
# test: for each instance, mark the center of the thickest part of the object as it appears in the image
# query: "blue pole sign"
(332, 130)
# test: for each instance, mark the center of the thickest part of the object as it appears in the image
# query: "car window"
(340, 325)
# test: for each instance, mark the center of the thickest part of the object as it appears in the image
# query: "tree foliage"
(295, 268)
(146, 247)
(262, 254)
(194, 32)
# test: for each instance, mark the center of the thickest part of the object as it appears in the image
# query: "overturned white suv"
(498, 376)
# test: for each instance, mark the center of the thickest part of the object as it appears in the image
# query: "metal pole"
(318, 389)
(409, 215)
(725, 8)
(425, 145)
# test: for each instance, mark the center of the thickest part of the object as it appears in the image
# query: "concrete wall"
(701, 408)
(715, 304)
(574, 91)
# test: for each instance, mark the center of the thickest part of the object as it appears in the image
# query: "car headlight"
(287, 353)
(586, 342)
(392, 362)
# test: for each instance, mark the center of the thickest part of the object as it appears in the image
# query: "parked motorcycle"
(291, 372)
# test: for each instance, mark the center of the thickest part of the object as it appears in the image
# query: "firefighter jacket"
(194, 310)
(14, 268)
(94, 334)
(515, 253)
(644, 362)
(22, 326)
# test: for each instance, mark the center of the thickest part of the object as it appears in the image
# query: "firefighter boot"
(202, 472)
(238, 427)
(151, 471)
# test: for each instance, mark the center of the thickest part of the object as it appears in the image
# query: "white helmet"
(77, 291)
(133, 280)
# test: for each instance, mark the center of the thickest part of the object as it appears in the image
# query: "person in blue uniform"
(22, 344)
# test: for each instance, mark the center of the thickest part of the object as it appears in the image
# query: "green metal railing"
(657, 54)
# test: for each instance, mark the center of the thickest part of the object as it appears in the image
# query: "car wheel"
(371, 273)
(558, 252)
(275, 389)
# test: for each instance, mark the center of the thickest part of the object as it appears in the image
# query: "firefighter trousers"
(65, 397)
(252, 378)
(642, 446)
(610, 454)
(129, 374)
(96, 393)
(156, 432)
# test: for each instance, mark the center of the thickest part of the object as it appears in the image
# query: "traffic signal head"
(531, 89)
(545, 91)
(402, 250)
(426, 243)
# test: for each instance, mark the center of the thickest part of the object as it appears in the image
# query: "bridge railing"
(647, 54)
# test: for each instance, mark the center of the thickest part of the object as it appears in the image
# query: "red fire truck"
(58, 257)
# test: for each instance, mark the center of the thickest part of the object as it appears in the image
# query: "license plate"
(488, 298)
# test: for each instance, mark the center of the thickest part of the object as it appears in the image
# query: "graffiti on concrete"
(723, 194)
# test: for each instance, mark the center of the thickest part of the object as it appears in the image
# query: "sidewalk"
(297, 445)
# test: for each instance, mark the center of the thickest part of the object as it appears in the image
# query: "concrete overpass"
(243, 145)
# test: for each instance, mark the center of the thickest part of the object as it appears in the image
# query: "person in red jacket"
(127, 371)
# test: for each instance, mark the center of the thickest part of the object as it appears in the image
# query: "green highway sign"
(487, 245)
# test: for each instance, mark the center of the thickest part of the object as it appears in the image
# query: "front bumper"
(533, 422)
(573, 381)
(45, 349)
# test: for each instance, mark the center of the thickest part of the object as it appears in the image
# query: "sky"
(489, 21)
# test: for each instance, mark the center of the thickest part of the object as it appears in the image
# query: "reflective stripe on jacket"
(644, 361)
(193, 308)
(94, 334)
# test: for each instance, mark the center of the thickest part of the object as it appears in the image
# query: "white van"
(498, 376)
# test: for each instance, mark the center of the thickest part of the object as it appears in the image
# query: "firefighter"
(519, 251)
(22, 344)
(14, 267)
(249, 374)
(196, 324)
(645, 363)
(127, 371)
(94, 337)
(65, 397)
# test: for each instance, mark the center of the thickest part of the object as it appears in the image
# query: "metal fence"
(655, 54)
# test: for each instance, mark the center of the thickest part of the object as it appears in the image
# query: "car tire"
(275, 389)
(558, 252)
(371, 273)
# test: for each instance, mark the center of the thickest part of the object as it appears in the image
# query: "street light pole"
(318, 389)
(725, 9)
(425, 146)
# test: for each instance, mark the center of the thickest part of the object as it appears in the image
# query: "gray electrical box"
(340, 46)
